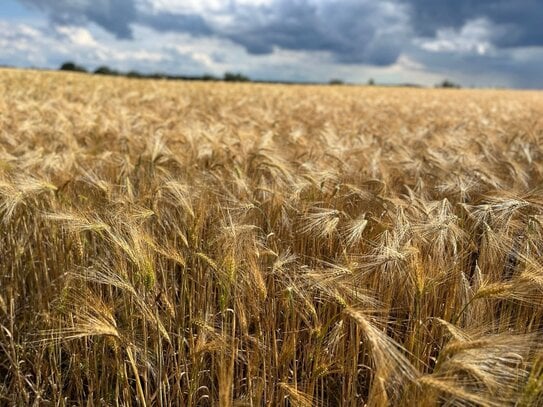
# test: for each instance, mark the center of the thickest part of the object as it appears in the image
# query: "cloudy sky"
(472, 42)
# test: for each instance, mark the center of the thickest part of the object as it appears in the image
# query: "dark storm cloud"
(352, 31)
(191, 23)
(519, 68)
(520, 21)
(361, 31)
(117, 16)
(113, 15)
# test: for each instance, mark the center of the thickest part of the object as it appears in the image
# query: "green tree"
(71, 66)
(105, 70)
(235, 77)
(448, 84)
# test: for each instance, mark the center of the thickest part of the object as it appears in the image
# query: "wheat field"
(210, 244)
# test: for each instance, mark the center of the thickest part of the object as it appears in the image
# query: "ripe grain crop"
(213, 244)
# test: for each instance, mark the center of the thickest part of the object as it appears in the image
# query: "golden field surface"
(213, 244)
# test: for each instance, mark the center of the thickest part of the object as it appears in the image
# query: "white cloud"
(48, 47)
(474, 37)
(28, 31)
(198, 6)
(78, 36)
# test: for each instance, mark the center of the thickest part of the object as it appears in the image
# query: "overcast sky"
(473, 42)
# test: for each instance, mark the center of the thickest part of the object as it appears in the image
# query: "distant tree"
(135, 74)
(235, 77)
(105, 70)
(71, 66)
(371, 82)
(335, 82)
(209, 77)
(448, 84)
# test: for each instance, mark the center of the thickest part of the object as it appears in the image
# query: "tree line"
(228, 76)
(105, 70)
